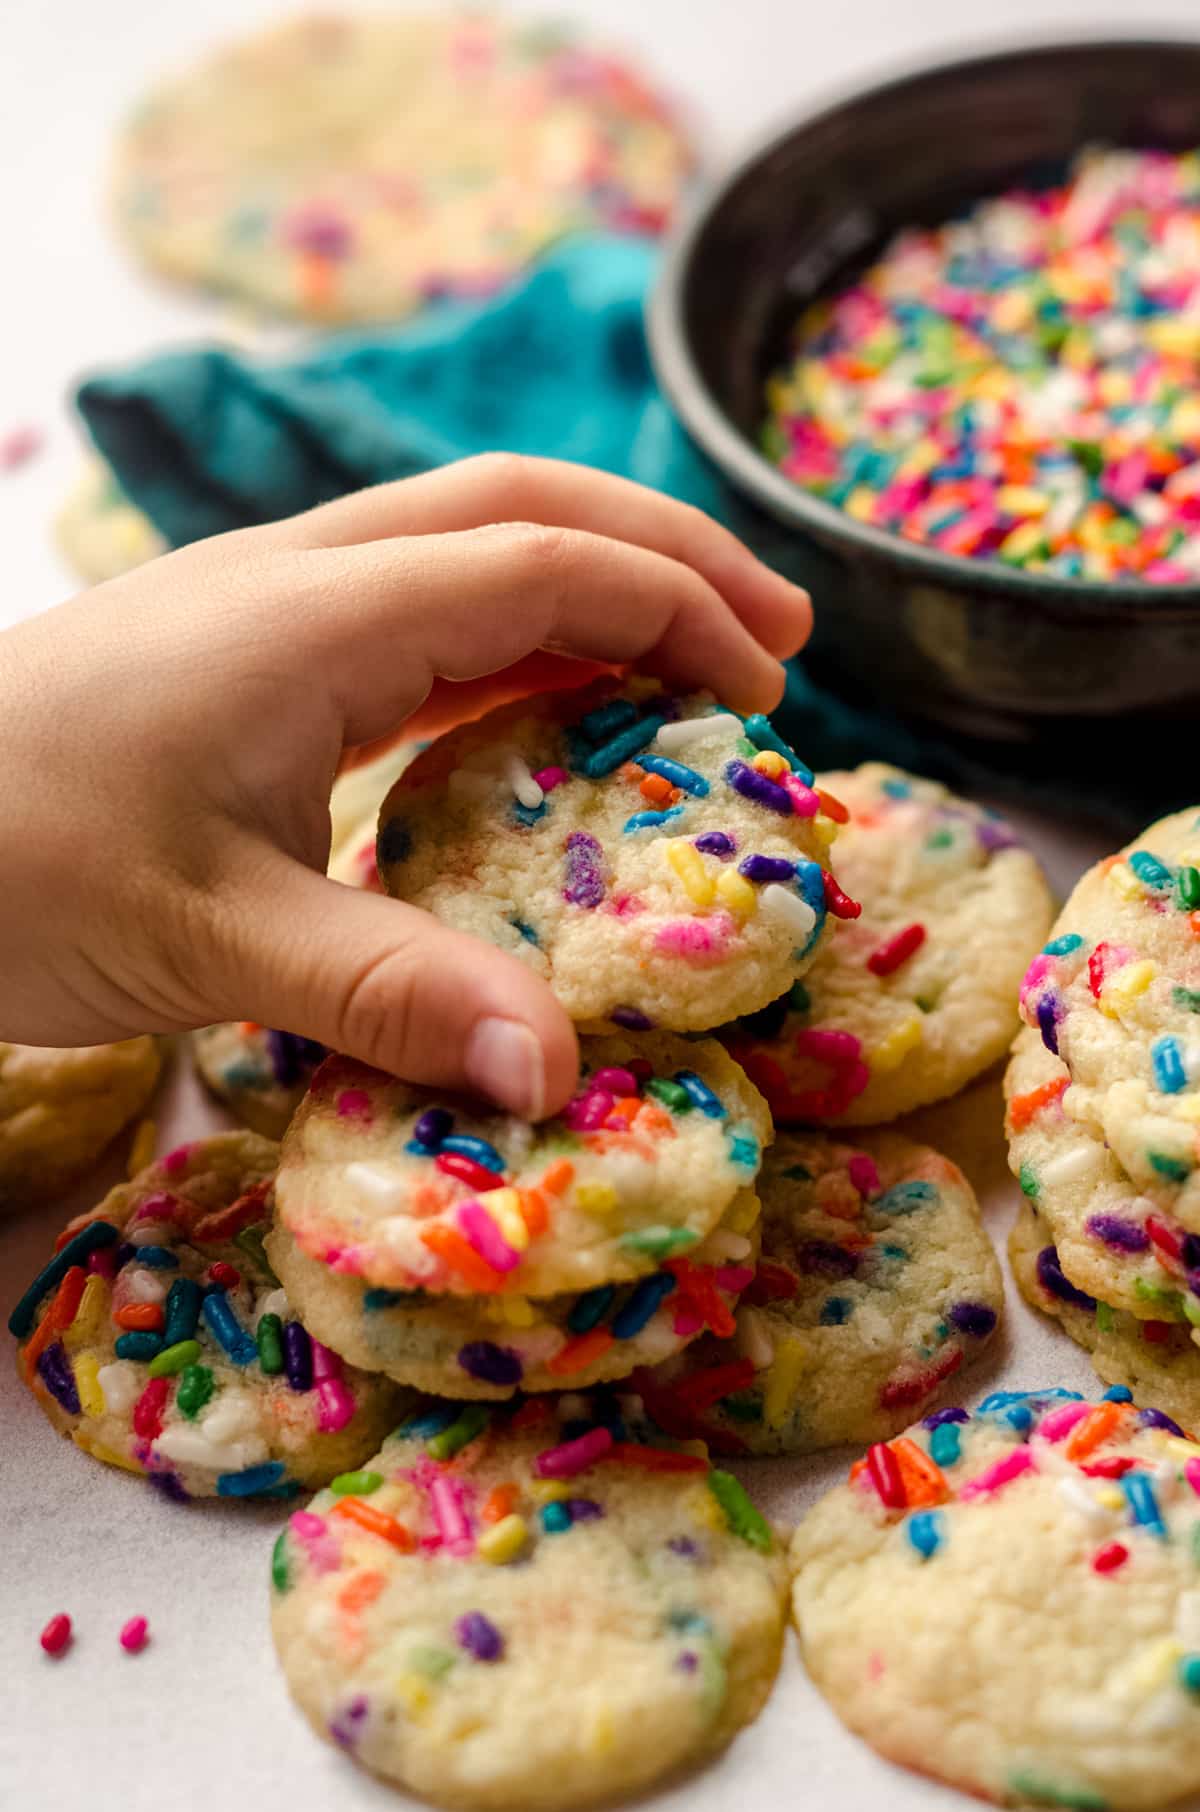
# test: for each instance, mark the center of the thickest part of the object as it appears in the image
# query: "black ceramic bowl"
(983, 648)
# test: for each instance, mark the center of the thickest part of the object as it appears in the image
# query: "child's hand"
(170, 741)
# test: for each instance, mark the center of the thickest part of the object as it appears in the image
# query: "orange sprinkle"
(500, 1502)
(1094, 1430)
(249, 1026)
(558, 1176)
(456, 1251)
(657, 790)
(1022, 1108)
(534, 1211)
(585, 1349)
(64, 1307)
(655, 1120)
(627, 1108)
(141, 1317)
(1194, 923)
(832, 806)
(924, 1482)
(375, 1522)
(360, 1590)
(223, 1223)
(314, 280)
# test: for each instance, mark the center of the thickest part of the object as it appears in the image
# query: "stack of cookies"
(1103, 1116)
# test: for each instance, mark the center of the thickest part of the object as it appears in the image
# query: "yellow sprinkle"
(771, 763)
(1177, 338)
(705, 1508)
(547, 1491)
(1125, 987)
(736, 893)
(790, 1358)
(141, 1150)
(891, 1050)
(1153, 1667)
(1180, 1450)
(1123, 881)
(91, 1396)
(1023, 540)
(603, 1735)
(517, 1311)
(745, 1215)
(108, 1455)
(1110, 1498)
(924, 456)
(688, 864)
(1186, 1107)
(503, 1541)
(1115, 388)
(860, 503)
(90, 1316)
(596, 1198)
(1011, 311)
(1184, 424)
(1022, 500)
(824, 830)
(504, 1206)
(414, 1695)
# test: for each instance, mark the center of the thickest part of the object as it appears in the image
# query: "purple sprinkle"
(433, 1126)
(479, 1636)
(1189, 1251)
(123, 1254)
(584, 1509)
(973, 1318)
(1155, 1418)
(687, 1663)
(752, 784)
(825, 1259)
(716, 843)
(297, 1356)
(1052, 1280)
(493, 1364)
(632, 1018)
(683, 1544)
(767, 868)
(54, 1369)
(317, 230)
(292, 1057)
(1122, 1235)
(1049, 1012)
(994, 834)
(343, 1730)
(169, 1485)
(585, 885)
(942, 1416)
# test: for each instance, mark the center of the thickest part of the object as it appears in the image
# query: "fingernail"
(504, 1060)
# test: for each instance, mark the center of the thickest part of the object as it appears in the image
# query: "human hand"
(172, 736)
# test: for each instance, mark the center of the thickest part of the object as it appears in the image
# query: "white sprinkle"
(232, 1416)
(725, 1246)
(781, 903)
(188, 1445)
(120, 1385)
(1070, 1166)
(693, 729)
(383, 1186)
(275, 1302)
(1081, 1500)
(752, 1340)
(522, 782)
(144, 1286)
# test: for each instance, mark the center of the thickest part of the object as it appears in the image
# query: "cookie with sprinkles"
(260, 1074)
(542, 1608)
(159, 1340)
(658, 860)
(914, 996)
(876, 1284)
(1008, 1601)
(1116, 995)
(493, 1345)
(99, 531)
(353, 168)
(402, 1188)
(61, 1109)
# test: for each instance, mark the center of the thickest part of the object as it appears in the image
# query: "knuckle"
(377, 1014)
(507, 478)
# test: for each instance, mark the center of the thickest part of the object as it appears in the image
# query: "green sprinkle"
(941, 839)
(1089, 455)
(270, 1344)
(196, 1386)
(173, 1359)
(1187, 998)
(430, 1661)
(745, 1406)
(1191, 1309)
(1149, 1292)
(1187, 881)
(355, 1484)
(1176, 1170)
(796, 1173)
(744, 1520)
(799, 999)
(473, 1420)
(658, 1242)
(1106, 1319)
(1189, 1674)
(1029, 1183)
(281, 1572)
(1046, 1793)
(671, 1094)
(250, 1239)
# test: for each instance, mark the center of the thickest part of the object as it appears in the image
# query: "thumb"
(384, 982)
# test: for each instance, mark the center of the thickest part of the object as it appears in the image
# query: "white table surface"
(201, 1717)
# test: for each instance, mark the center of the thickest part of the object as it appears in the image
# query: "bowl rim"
(704, 418)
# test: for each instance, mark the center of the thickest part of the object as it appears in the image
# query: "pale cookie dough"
(908, 1002)
(354, 168)
(159, 1340)
(529, 1610)
(260, 1074)
(1010, 1603)
(876, 1284)
(1115, 1241)
(99, 531)
(491, 1346)
(1157, 1360)
(401, 1189)
(1116, 994)
(60, 1109)
(659, 862)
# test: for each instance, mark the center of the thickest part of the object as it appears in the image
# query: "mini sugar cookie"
(1156, 1360)
(354, 168)
(909, 1001)
(491, 1346)
(159, 1339)
(1114, 1241)
(1116, 994)
(540, 1609)
(1008, 1602)
(875, 1285)
(402, 1189)
(260, 1074)
(99, 531)
(657, 860)
(60, 1109)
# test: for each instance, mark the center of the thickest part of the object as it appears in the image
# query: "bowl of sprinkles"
(945, 335)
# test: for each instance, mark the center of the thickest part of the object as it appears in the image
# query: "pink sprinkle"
(805, 802)
(484, 1235)
(826, 1045)
(549, 778)
(56, 1637)
(696, 939)
(1039, 967)
(134, 1635)
(686, 1323)
(312, 1532)
(19, 446)
(587, 1112)
(1191, 1473)
(450, 1517)
(616, 1082)
(996, 1477)
(335, 1405)
(734, 1278)
(324, 1363)
(177, 1160)
(1058, 1423)
(863, 1174)
(159, 1207)
(354, 1104)
(102, 1262)
(573, 1456)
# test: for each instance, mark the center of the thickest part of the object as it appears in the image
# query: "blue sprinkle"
(1142, 1499)
(227, 1330)
(607, 719)
(428, 1422)
(555, 1518)
(686, 779)
(897, 789)
(254, 1479)
(1062, 946)
(182, 1310)
(88, 1239)
(836, 1311)
(140, 1346)
(700, 1093)
(926, 1531)
(743, 1151)
(645, 1299)
(374, 1300)
(1149, 869)
(810, 885)
(648, 820)
(526, 931)
(764, 735)
(1167, 1058)
(905, 1198)
(394, 843)
(159, 1258)
(1019, 1417)
(1117, 1393)
(478, 1150)
(591, 1308)
(945, 1444)
(1001, 1399)
(529, 814)
(626, 744)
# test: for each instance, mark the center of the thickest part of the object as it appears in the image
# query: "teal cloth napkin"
(207, 440)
